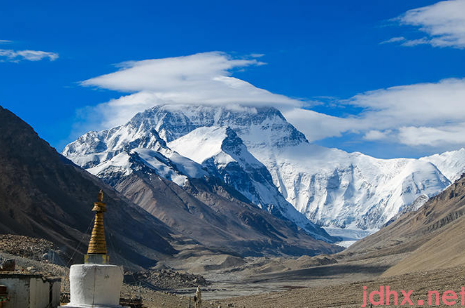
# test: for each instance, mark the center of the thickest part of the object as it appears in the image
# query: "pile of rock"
(27, 247)
(165, 279)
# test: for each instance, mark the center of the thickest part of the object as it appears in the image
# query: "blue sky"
(324, 55)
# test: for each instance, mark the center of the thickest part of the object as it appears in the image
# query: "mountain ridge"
(43, 194)
(429, 238)
(332, 188)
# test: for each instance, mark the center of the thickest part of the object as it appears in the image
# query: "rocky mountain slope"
(223, 154)
(329, 187)
(44, 195)
(218, 217)
(185, 196)
(431, 236)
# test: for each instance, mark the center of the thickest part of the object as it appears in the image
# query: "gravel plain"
(323, 281)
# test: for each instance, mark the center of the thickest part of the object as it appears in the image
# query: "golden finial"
(100, 196)
(96, 253)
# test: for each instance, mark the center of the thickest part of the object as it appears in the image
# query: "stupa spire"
(97, 250)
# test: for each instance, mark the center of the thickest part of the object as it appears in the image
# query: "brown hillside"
(42, 194)
(432, 236)
(219, 217)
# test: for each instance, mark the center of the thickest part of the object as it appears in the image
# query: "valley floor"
(321, 281)
(333, 285)
(349, 294)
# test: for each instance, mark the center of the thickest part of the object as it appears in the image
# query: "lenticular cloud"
(203, 78)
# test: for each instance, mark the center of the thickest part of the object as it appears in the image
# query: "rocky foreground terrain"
(33, 255)
(28, 247)
(322, 281)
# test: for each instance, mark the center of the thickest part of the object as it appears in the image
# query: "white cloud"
(203, 78)
(317, 126)
(5, 41)
(412, 43)
(429, 114)
(418, 104)
(119, 111)
(163, 75)
(444, 22)
(433, 136)
(376, 135)
(426, 114)
(394, 40)
(9, 55)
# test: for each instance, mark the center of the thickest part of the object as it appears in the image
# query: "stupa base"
(95, 286)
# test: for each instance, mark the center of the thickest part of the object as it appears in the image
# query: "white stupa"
(96, 284)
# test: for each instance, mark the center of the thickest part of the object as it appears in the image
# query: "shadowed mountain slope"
(43, 194)
(218, 216)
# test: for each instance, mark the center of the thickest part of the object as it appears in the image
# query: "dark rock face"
(219, 217)
(43, 194)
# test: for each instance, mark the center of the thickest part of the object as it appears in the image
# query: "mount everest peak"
(255, 150)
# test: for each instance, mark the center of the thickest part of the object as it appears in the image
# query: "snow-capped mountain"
(330, 187)
(118, 152)
(451, 164)
(223, 154)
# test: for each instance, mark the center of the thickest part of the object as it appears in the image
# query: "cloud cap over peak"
(161, 75)
(203, 78)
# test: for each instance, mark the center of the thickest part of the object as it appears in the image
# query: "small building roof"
(17, 274)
